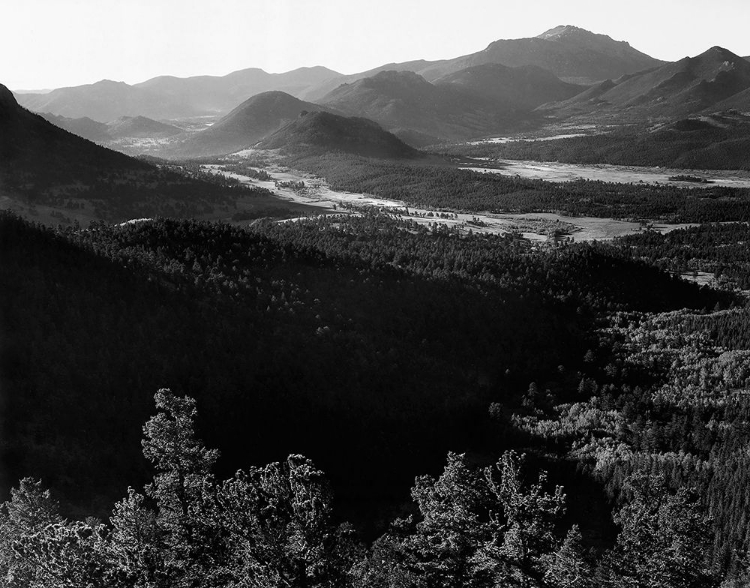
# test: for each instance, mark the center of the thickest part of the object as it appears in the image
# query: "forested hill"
(370, 344)
(323, 132)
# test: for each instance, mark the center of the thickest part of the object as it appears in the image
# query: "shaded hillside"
(524, 87)
(169, 97)
(343, 338)
(33, 150)
(42, 165)
(323, 131)
(693, 84)
(405, 100)
(252, 120)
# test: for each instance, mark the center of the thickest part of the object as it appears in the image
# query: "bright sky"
(56, 43)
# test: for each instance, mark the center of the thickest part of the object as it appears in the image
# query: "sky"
(48, 44)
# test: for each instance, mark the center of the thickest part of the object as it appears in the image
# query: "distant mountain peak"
(573, 33)
(562, 31)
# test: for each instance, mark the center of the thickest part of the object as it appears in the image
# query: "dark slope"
(48, 173)
(32, 148)
(523, 87)
(252, 120)
(323, 131)
(708, 81)
(403, 101)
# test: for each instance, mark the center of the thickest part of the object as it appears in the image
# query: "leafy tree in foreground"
(478, 528)
(665, 539)
(28, 512)
(275, 521)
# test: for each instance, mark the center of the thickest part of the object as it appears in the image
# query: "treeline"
(720, 249)
(272, 526)
(136, 190)
(443, 187)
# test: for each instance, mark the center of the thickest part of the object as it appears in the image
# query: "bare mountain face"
(170, 97)
(572, 54)
(323, 131)
(713, 81)
(244, 126)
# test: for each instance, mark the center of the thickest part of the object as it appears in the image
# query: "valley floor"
(539, 226)
(567, 172)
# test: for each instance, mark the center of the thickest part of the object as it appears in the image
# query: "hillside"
(33, 151)
(51, 175)
(524, 87)
(405, 100)
(244, 126)
(709, 81)
(323, 131)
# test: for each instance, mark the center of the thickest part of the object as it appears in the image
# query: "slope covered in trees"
(369, 345)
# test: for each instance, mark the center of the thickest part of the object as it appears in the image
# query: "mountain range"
(567, 52)
(712, 81)
(564, 74)
(169, 97)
